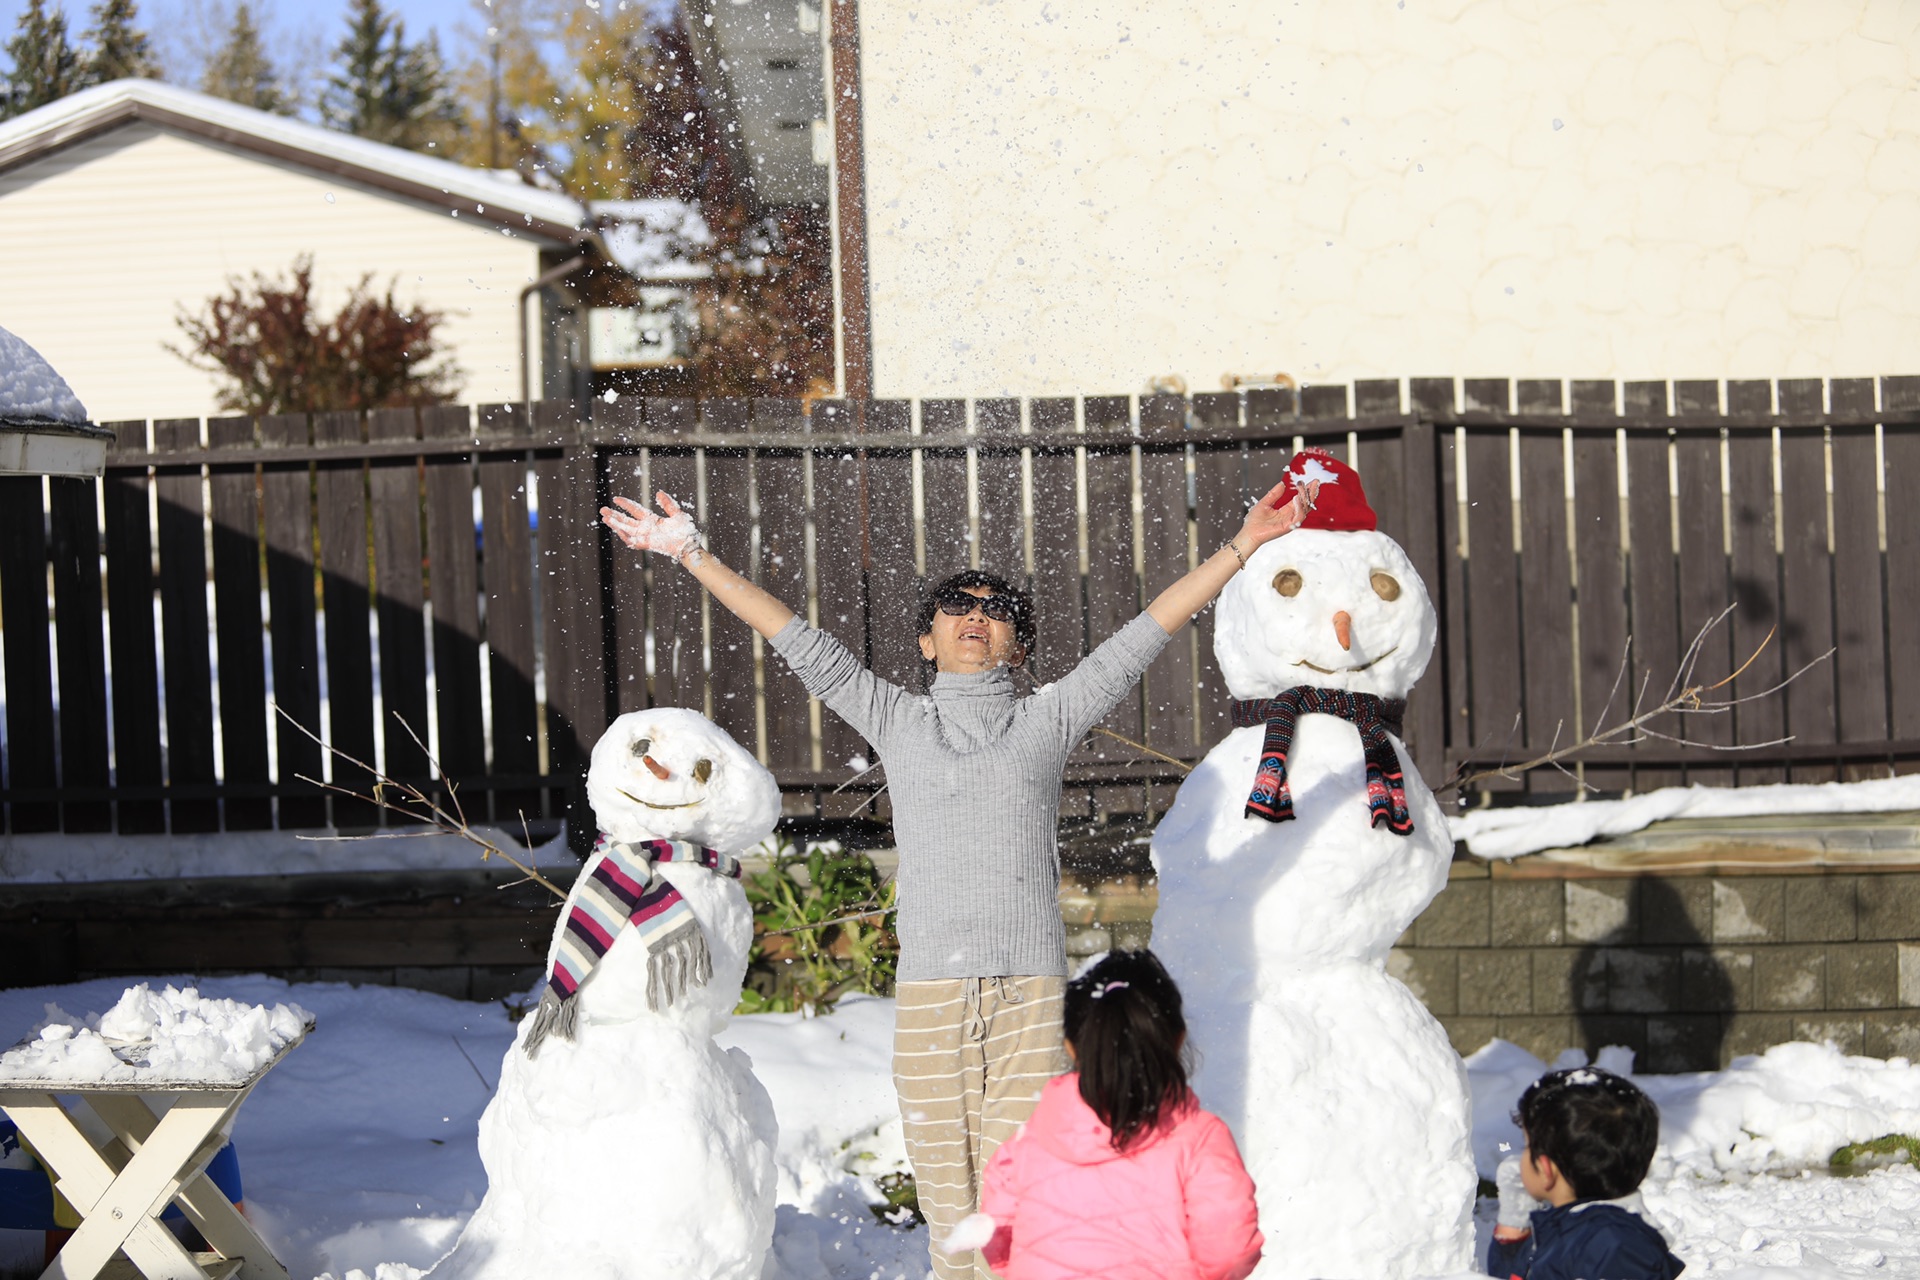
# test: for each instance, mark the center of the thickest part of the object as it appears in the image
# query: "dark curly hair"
(1124, 1020)
(1597, 1127)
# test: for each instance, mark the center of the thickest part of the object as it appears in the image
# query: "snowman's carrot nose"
(660, 770)
(1343, 629)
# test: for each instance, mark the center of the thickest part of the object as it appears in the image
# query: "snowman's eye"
(1385, 585)
(641, 746)
(702, 770)
(1288, 582)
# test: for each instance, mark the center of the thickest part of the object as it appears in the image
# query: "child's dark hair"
(1123, 1019)
(1597, 1127)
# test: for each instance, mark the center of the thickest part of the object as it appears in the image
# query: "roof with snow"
(495, 197)
(654, 239)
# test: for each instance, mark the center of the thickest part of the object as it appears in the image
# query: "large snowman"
(623, 1143)
(1289, 863)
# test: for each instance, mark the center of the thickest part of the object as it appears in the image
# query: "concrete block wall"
(1689, 970)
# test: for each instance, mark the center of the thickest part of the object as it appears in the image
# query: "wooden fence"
(445, 567)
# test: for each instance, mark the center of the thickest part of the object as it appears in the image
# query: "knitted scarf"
(626, 888)
(1371, 715)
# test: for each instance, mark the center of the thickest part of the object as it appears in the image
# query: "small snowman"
(1290, 861)
(623, 1143)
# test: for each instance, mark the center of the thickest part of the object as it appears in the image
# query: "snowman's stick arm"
(415, 803)
(1683, 698)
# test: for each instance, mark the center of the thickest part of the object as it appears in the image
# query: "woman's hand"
(1269, 518)
(673, 534)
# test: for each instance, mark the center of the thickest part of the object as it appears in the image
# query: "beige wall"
(102, 243)
(1078, 195)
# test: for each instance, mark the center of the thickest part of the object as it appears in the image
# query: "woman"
(973, 771)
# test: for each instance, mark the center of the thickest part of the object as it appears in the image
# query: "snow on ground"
(359, 1149)
(1511, 832)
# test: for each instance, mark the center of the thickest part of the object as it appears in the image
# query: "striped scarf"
(1371, 715)
(626, 888)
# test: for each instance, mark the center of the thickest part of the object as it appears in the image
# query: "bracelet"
(1233, 545)
(690, 550)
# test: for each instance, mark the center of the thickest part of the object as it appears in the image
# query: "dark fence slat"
(672, 596)
(240, 626)
(893, 582)
(341, 489)
(729, 525)
(1426, 722)
(780, 481)
(184, 626)
(1860, 624)
(1113, 592)
(1060, 628)
(1220, 506)
(80, 651)
(1753, 582)
(453, 592)
(1493, 602)
(1701, 578)
(399, 562)
(287, 501)
(1653, 602)
(568, 570)
(131, 636)
(1165, 543)
(1806, 576)
(1606, 673)
(839, 499)
(29, 664)
(998, 490)
(506, 567)
(1546, 598)
(1901, 445)
(948, 532)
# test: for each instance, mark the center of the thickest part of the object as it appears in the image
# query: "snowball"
(157, 1037)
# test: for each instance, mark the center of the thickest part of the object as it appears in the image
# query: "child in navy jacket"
(1590, 1138)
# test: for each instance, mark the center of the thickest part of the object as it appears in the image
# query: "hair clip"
(1105, 987)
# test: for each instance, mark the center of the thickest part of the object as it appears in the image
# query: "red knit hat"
(1341, 504)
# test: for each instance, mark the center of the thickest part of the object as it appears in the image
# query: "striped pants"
(969, 1058)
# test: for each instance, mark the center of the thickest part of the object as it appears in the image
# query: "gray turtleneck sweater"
(974, 775)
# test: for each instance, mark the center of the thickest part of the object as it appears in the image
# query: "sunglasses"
(998, 606)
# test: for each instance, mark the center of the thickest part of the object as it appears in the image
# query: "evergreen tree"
(121, 50)
(387, 89)
(240, 70)
(46, 66)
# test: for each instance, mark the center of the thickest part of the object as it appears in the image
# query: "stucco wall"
(1076, 197)
(103, 242)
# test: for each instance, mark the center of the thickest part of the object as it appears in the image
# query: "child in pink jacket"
(1118, 1173)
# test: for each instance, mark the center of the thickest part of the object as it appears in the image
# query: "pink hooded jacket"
(1176, 1205)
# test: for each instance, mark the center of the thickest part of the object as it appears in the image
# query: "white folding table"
(156, 1157)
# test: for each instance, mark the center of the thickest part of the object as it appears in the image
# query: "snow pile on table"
(148, 1037)
(1785, 1110)
(29, 388)
(1512, 832)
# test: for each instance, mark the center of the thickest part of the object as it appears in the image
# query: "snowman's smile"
(648, 804)
(1335, 671)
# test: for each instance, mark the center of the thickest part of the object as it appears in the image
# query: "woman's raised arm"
(675, 535)
(1175, 607)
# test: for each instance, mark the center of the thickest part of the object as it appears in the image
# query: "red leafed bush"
(274, 353)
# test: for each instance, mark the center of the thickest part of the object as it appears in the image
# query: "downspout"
(850, 205)
(546, 278)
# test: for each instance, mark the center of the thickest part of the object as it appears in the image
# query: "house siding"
(1076, 198)
(102, 244)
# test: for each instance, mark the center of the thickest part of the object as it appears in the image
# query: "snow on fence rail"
(446, 564)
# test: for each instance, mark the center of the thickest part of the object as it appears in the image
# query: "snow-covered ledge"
(44, 428)
(1706, 830)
